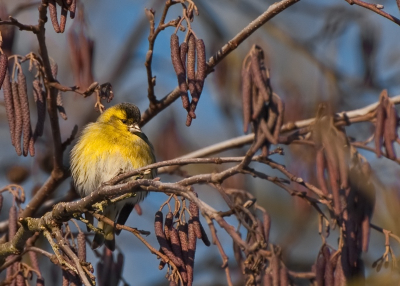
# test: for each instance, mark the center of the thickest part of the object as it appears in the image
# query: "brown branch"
(152, 38)
(374, 8)
(22, 27)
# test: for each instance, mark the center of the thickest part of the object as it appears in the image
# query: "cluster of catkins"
(179, 243)
(18, 273)
(195, 70)
(261, 106)
(18, 114)
(386, 126)
(66, 6)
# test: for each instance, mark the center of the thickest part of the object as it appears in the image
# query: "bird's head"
(122, 116)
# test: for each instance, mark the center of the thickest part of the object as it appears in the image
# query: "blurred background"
(317, 51)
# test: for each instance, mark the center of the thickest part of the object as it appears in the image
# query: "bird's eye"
(124, 121)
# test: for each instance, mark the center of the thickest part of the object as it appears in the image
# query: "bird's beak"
(134, 128)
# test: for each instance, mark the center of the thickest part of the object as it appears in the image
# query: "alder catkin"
(72, 9)
(320, 269)
(183, 239)
(365, 232)
(191, 252)
(18, 118)
(9, 105)
(246, 97)
(257, 77)
(179, 70)
(279, 121)
(379, 127)
(3, 68)
(166, 248)
(12, 222)
(60, 107)
(392, 121)
(40, 100)
(176, 249)
(194, 212)
(63, 19)
(26, 118)
(201, 71)
(183, 49)
(329, 269)
(320, 170)
(53, 15)
(191, 62)
(81, 246)
(168, 225)
(266, 226)
(20, 280)
(275, 265)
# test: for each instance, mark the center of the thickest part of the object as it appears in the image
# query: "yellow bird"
(111, 145)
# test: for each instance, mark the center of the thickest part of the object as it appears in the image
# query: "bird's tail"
(108, 238)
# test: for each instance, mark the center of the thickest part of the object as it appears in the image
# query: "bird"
(112, 145)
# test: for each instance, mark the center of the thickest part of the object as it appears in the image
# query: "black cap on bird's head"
(127, 113)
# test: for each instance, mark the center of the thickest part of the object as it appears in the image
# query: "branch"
(374, 8)
(22, 27)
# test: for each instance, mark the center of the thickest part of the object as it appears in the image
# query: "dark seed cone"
(26, 118)
(18, 119)
(53, 16)
(9, 104)
(179, 70)
(3, 68)
(204, 236)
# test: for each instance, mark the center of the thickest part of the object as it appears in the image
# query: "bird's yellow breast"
(105, 150)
